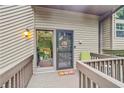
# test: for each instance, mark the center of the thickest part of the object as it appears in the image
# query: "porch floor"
(53, 80)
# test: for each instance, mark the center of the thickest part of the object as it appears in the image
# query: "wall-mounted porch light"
(27, 34)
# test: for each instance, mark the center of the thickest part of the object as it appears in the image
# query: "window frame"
(120, 25)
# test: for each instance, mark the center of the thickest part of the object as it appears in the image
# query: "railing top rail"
(11, 66)
(103, 55)
(105, 59)
(10, 70)
(100, 78)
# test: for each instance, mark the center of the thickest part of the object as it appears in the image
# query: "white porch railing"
(18, 75)
(108, 72)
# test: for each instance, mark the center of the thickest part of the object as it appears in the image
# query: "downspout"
(100, 37)
(111, 33)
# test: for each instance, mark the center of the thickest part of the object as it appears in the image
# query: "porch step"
(66, 72)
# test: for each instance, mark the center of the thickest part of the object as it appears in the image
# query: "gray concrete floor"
(53, 80)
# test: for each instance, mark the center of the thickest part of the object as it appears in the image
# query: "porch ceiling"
(89, 9)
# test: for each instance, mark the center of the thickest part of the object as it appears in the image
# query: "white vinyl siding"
(13, 22)
(106, 28)
(85, 27)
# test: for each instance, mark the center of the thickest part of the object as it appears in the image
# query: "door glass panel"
(64, 49)
(44, 48)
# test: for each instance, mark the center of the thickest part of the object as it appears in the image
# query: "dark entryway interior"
(64, 42)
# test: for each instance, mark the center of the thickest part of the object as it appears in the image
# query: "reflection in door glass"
(44, 48)
(64, 49)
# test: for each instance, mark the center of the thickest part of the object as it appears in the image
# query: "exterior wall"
(118, 42)
(13, 22)
(106, 34)
(85, 27)
(110, 41)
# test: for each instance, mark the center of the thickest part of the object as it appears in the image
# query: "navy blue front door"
(64, 39)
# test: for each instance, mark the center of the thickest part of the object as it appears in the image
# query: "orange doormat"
(66, 72)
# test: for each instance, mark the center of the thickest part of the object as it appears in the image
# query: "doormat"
(66, 72)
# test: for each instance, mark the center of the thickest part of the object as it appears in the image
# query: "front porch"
(53, 80)
(90, 30)
(100, 72)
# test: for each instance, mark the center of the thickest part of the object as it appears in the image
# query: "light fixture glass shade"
(26, 34)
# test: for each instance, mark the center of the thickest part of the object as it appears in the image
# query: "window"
(120, 29)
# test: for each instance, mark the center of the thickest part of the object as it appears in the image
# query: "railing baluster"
(107, 64)
(116, 70)
(19, 78)
(102, 67)
(110, 64)
(96, 65)
(3, 86)
(97, 86)
(16, 80)
(91, 83)
(113, 69)
(91, 64)
(105, 67)
(109, 68)
(123, 70)
(119, 70)
(86, 82)
(99, 65)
